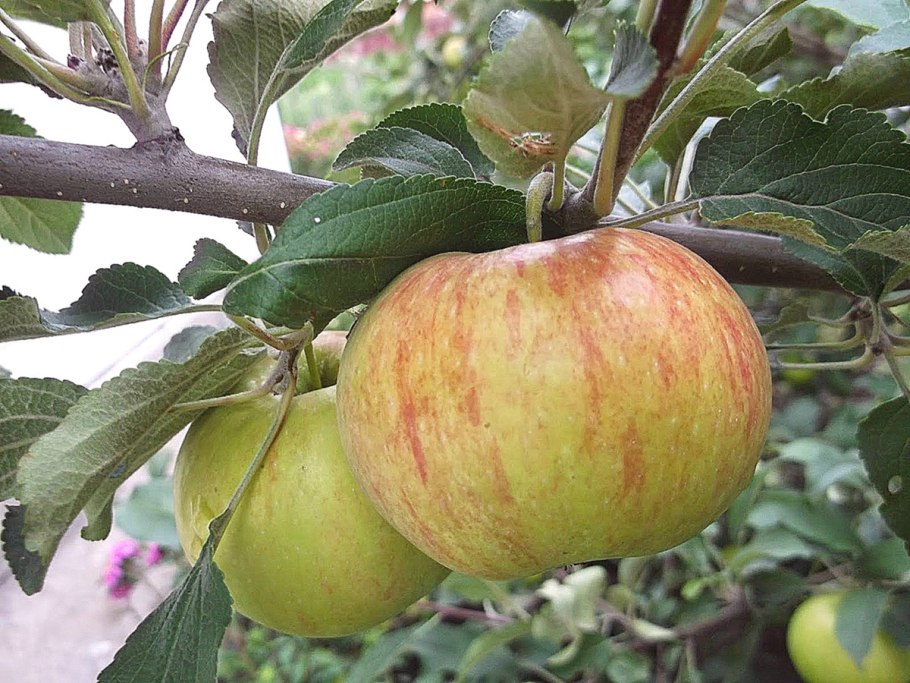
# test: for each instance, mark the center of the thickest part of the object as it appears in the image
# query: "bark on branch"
(166, 174)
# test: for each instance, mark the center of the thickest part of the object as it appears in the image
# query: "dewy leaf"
(859, 615)
(403, 151)
(212, 267)
(848, 175)
(29, 408)
(532, 101)
(867, 79)
(111, 432)
(118, 295)
(178, 642)
(55, 12)
(26, 565)
(634, 65)
(877, 14)
(446, 123)
(800, 228)
(884, 445)
(261, 49)
(889, 39)
(341, 247)
(41, 224)
(893, 244)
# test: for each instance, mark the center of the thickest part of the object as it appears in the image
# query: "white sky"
(112, 234)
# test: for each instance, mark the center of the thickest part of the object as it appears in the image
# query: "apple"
(601, 395)
(820, 658)
(305, 552)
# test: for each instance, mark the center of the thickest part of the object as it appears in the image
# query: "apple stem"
(852, 364)
(851, 343)
(218, 525)
(540, 187)
(230, 399)
(289, 341)
(664, 211)
(312, 366)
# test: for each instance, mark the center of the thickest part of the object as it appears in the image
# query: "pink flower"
(113, 575)
(124, 550)
(121, 591)
(153, 555)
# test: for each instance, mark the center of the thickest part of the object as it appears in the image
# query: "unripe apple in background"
(601, 395)
(305, 552)
(820, 658)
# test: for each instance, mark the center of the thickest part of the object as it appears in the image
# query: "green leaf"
(262, 49)
(800, 228)
(884, 444)
(557, 11)
(186, 343)
(634, 64)
(178, 642)
(776, 544)
(821, 522)
(41, 224)
(886, 560)
(111, 432)
(532, 101)
(486, 644)
(148, 513)
(627, 666)
(384, 653)
(850, 276)
(446, 123)
(867, 79)
(54, 12)
(859, 614)
(403, 151)
(212, 267)
(11, 124)
(29, 408)
(795, 313)
(720, 95)
(876, 14)
(848, 175)
(27, 567)
(10, 72)
(890, 39)
(507, 25)
(893, 244)
(121, 294)
(896, 620)
(341, 247)
(761, 53)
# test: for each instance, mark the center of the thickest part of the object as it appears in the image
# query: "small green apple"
(305, 552)
(601, 395)
(820, 658)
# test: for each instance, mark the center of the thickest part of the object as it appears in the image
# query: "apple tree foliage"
(704, 92)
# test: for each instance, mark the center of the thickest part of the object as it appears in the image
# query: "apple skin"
(305, 553)
(601, 395)
(820, 658)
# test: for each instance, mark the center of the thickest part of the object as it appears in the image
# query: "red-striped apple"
(605, 394)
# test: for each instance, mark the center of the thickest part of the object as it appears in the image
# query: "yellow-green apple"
(820, 658)
(605, 394)
(305, 552)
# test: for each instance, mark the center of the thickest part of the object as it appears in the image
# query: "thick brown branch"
(160, 174)
(167, 175)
